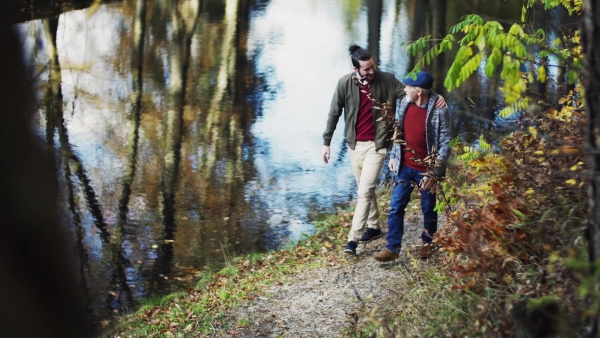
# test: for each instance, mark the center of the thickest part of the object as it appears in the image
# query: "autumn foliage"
(519, 215)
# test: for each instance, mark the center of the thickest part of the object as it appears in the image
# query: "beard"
(366, 77)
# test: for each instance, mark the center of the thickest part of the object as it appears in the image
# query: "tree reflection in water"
(184, 130)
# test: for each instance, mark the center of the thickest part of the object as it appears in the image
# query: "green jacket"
(384, 87)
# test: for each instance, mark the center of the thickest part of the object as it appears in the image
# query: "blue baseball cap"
(423, 80)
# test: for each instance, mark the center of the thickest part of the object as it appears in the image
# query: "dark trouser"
(400, 198)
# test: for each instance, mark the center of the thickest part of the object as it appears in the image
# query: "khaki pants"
(366, 165)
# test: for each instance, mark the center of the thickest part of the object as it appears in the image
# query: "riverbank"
(512, 261)
(310, 290)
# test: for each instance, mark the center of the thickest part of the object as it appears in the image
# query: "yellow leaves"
(556, 42)
(513, 88)
(481, 43)
(542, 75)
(563, 100)
(519, 105)
(571, 181)
(533, 131)
(484, 144)
(529, 191)
(530, 77)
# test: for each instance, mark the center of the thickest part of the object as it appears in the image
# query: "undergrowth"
(512, 254)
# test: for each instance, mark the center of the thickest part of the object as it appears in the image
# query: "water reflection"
(190, 131)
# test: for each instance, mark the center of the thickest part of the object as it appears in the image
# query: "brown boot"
(426, 250)
(386, 256)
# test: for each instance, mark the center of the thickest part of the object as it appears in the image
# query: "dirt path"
(328, 302)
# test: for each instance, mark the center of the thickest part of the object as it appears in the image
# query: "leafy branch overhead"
(520, 54)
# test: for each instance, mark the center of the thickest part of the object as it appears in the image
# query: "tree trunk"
(591, 49)
(41, 296)
(374, 13)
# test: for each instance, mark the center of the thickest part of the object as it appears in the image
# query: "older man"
(368, 139)
(425, 129)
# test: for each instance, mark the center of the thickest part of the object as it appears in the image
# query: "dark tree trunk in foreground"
(39, 291)
(591, 49)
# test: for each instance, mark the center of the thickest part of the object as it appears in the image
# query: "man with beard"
(424, 130)
(368, 139)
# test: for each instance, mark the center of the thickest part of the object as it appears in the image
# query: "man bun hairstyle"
(357, 53)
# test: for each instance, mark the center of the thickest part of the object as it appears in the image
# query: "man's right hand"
(392, 164)
(326, 154)
(440, 102)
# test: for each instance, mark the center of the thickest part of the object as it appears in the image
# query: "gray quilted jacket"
(438, 131)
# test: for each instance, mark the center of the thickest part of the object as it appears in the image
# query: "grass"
(203, 309)
(427, 307)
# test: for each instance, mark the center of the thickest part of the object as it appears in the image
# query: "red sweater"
(414, 135)
(365, 130)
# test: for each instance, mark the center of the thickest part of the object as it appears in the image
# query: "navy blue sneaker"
(350, 248)
(370, 235)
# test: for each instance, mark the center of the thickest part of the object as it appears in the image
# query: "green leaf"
(480, 42)
(556, 42)
(454, 141)
(518, 213)
(439, 207)
(542, 74)
(572, 76)
(483, 143)
(516, 30)
(509, 110)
